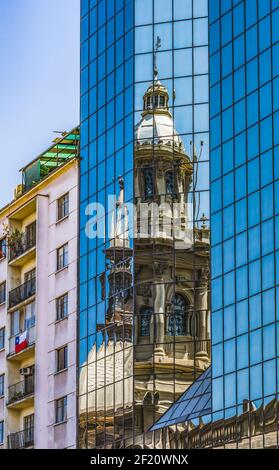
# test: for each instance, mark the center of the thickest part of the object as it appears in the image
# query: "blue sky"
(39, 80)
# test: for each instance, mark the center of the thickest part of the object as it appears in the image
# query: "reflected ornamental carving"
(144, 290)
(160, 268)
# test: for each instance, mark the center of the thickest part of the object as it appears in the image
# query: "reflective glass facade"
(144, 325)
(194, 403)
(244, 67)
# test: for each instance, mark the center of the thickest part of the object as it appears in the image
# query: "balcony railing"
(21, 390)
(22, 293)
(28, 341)
(21, 439)
(28, 241)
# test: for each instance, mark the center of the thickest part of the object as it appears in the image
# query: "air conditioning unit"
(18, 191)
(26, 371)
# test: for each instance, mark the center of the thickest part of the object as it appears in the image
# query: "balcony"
(22, 439)
(22, 293)
(23, 251)
(23, 349)
(21, 394)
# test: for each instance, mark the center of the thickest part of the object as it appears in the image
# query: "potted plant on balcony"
(14, 241)
(17, 396)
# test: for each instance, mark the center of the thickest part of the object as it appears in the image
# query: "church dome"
(157, 129)
(157, 126)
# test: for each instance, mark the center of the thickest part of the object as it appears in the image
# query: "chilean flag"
(21, 342)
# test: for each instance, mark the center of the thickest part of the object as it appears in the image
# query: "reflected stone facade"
(155, 339)
(171, 321)
(252, 429)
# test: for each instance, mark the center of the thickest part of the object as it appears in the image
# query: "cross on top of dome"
(158, 45)
(156, 96)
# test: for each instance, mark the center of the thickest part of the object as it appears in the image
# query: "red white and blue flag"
(21, 342)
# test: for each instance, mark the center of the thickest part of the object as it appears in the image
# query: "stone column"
(159, 307)
(202, 308)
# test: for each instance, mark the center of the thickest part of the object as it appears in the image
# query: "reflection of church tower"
(171, 318)
(120, 276)
(108, 378)
(152, 337)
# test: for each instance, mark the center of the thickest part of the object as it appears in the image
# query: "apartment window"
(62, 307)
(30, 275)
(3, 248)
(1, 432)
(2, 293)
(62, 358)
(63, 206)
(2, 384)
(30, 316)
(62, 257)
(2, 338)
(30, 235)
(28, 425)
(15, 323)
(61, 410)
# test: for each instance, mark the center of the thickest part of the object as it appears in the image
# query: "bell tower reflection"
(153, 337)
(171, 286)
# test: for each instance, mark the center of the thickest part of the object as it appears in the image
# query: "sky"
(39, 80)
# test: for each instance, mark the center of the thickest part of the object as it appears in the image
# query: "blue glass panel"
(195, 402)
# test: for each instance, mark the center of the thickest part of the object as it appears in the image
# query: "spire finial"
(119, 236)
(121, 182)
(158, 45)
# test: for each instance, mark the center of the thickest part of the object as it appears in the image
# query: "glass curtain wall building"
(106, 263)
(244, 136)
(244, 66)
(144, 215)
(244, 119)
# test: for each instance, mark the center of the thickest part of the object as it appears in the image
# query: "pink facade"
(52, 333)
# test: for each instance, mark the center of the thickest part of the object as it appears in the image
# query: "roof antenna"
(158, 45)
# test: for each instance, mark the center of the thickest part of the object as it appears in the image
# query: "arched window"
(148, 182)
(169, 182)
(145, 318)
(177, 319)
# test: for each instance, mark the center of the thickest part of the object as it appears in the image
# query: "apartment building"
(38, 282)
